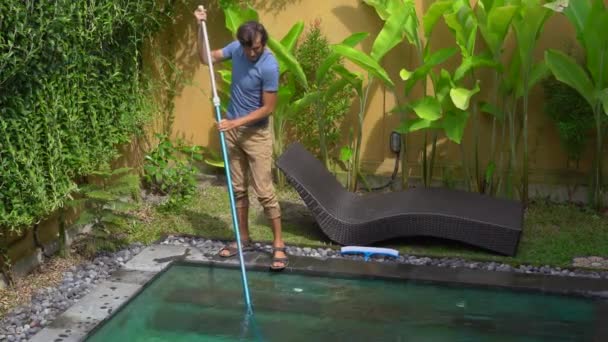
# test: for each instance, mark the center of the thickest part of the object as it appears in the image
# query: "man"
(253, 95)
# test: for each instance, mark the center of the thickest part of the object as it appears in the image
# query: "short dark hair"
(248, 31)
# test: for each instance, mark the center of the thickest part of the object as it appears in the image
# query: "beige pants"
(250, 154)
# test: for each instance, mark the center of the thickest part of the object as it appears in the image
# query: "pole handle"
(203, 26)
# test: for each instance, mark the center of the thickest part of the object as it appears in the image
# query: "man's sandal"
(284, 260)
(233, 249)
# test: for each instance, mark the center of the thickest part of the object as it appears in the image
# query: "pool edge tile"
(88, 312)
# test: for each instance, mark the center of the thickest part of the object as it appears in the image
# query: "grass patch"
(553, 233)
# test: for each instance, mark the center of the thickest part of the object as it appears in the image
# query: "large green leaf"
(305, 101)
(335, 87)
(512, 77)
(226, 75)
(528, 25)
(461, 97)
(443, 84)
(431, 61)
(473, 62)
(411, 28)
(355, 38)
(284, 98)
(539, 72)
(566, 70)
(427, 108)
(333, 57)
(433, 14)
(417, 124)
(604, 99)
(463, 23)
(495, 26)
(439, 56)
(364, 61)
(285, 57)
(454, 124)
(491, 109)
(391, 34)
(595, 42)
(577, 12)
(354, 79)
(291, 38)
(215, 162)
(235, 16)
(285, 93)
(346, 153)
(289, 42)
(384, 8)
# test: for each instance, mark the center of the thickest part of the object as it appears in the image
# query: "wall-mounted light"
(395, 142)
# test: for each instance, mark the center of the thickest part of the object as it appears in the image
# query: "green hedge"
(71, 90)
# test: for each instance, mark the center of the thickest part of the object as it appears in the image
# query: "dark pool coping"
(91, 311)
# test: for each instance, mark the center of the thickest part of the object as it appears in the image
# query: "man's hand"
(200, 14)
(226, 125)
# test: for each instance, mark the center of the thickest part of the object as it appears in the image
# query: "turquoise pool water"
(196, 303)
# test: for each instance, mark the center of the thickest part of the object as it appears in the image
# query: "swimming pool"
(193, 302)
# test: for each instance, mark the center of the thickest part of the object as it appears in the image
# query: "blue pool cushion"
(369, 251)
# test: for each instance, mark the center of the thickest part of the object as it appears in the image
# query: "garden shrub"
(169, 170)
(310, 52)
(571, 114)
(71, 91)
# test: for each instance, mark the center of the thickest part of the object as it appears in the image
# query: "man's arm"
(269, 100)
(216, 55)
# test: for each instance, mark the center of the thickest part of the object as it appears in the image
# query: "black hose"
(393, 176)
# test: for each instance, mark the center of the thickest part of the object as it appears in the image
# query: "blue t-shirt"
(249, 80)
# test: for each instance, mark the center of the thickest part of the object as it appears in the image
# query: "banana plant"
(374, 71)
(494, 19)
(445, 107)
(461, 20)
(400, 23)
(528, 24)
(331, 62)
(589, 18)
(396, 13)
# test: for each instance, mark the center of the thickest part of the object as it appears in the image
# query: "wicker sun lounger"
(348, 218)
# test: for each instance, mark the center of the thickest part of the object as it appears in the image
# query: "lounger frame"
(347, 218)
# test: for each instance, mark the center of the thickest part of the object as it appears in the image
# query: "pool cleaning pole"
(235, 222)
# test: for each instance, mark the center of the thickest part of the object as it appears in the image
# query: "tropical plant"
(528, 24)
(572, 115)
(464, 23)
(494, 19)
(386, 40)
(317, 127)
(72, 91)
(589, 18)
(445, 107)
(169, 169)
(326, 87)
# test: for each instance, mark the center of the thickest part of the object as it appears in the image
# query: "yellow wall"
(194, 117)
